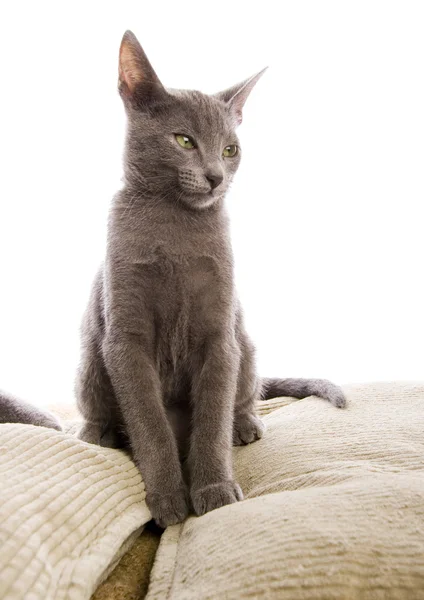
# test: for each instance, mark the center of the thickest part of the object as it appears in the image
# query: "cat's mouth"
(196, 194)
(200, 201)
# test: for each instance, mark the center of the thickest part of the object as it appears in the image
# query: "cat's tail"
(302, 388)
(13, 410)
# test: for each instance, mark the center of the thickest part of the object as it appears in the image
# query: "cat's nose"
(215, 179)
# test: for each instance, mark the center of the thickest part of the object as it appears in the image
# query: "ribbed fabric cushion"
(68, 511)
(334, 509)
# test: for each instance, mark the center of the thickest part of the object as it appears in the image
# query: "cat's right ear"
(236, 96)
(138, 83)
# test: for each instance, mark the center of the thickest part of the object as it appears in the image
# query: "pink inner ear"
(130, 72)
(236, 115)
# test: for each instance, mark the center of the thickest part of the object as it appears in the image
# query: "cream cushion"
(334, 508)
(68, 511)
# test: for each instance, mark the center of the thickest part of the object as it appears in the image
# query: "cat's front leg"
(210, 456)
(154, 448)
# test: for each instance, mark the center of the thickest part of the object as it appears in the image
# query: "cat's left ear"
(138, 82)
(236, 96)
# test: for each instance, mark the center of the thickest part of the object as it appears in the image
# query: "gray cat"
(167, 366)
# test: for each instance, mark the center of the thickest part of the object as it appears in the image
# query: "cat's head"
(182, 145)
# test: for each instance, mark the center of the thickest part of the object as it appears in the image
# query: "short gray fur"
(13, 410)
(167, 367)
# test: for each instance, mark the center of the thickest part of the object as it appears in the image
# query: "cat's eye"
(230, 151)
(185, 141)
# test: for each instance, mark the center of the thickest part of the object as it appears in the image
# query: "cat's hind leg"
(95, 399)
(247, 426)
(93, 388)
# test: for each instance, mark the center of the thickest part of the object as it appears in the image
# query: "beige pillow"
(68, 511)
(334, 509)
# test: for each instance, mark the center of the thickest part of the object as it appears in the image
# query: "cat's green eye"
(230, 151)
(185, 141)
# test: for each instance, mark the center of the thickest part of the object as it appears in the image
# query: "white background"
(326, 208)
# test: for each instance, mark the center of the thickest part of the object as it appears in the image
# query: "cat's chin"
(199, 201)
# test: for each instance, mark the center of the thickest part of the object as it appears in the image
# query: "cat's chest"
(191, 282)
(188, 296)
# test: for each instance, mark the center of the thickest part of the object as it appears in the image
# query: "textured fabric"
(69, 511)
(334, 508)
(130, 578)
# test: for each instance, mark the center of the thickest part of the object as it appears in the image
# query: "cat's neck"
(141, 222)
(133, 204)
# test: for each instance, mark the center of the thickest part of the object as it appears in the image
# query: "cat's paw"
(168, 509)
(90, 433)
(247, 429)
(215, 495)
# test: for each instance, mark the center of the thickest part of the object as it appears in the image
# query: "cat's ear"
(138, 82)
(236, 96)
